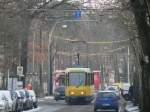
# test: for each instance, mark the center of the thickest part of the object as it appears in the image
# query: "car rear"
(20, 102)
(3, 104)
(7, 94)
(125, 91)
(59, 93)
(27, 103)
(33, 98)
(115, 89)
(106, 101)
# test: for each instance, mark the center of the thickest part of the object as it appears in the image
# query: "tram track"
(77, 108)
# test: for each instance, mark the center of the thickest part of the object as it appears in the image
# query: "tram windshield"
(77, 79)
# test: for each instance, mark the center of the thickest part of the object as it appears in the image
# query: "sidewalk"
(33, 110)
(131, 108)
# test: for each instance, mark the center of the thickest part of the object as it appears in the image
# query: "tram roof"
(78, 70)
(59, 71)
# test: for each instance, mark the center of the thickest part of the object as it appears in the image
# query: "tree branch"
(52, 6)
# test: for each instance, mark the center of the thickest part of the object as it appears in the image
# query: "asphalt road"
(61, 106)
(50, 105)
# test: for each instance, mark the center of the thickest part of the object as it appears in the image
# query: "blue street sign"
(77, 14)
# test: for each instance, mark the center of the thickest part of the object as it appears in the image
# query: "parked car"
(115, 89)
(27, 102)
(59, 93)
(33, 98)
(125, 91)
(4, 105)
(12, 103)
(106, 101)
(16, 96)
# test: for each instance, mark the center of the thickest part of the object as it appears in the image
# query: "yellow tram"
(79, 85)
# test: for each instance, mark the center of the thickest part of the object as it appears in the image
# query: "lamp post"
(128, 64)
(50, 49)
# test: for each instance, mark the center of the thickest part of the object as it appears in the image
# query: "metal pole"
(128, 64)
(8, 80)
(54, 66)
(33, 59)
(33, 50)
(49, 60)
(19, 52)
(55, 53)
(87, 51)
(70, 57)
(19, 58)
(42, 55)
(40, 64)
(43, 74)
(102, 74)
(78, 56)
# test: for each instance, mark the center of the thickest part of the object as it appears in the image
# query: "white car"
(27, 101)
(18, 99)
(114, 89)
(12, 103)
(4, 106)
(125, 90)
(33, 97)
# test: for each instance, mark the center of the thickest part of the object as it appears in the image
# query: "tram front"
(79, 83)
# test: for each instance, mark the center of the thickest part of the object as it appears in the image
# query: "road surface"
(50, 105)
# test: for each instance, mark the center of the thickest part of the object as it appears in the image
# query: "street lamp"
(49, 49)
(64, 26)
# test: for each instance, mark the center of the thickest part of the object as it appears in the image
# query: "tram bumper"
(79, 98)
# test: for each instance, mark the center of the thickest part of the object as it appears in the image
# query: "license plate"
(106, 104)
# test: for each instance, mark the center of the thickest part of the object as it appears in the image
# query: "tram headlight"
(72, 93)
(82, 92)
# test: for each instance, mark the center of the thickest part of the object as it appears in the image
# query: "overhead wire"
(91, 42)
(90, 54)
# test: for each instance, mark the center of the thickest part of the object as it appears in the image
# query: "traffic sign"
(20, 70)
(77, 14)
(19, 85)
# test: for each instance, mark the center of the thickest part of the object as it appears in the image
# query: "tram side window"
(89, 79)
(92, 78)
(67, 79)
